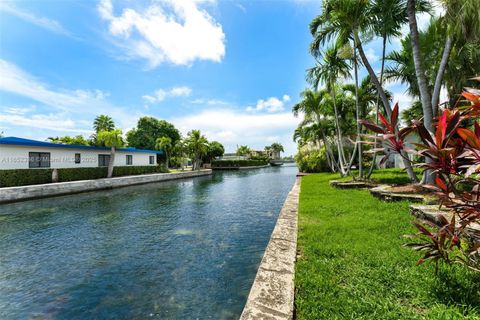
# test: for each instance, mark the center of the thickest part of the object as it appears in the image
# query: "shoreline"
(38, 191)
(272, 293)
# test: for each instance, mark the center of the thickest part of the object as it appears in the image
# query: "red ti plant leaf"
(441, 184)
(441, 129)
(372, 126)
(394, 117)
(469, 137)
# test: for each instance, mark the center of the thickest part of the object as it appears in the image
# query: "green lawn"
(352, 264)
(387, 176)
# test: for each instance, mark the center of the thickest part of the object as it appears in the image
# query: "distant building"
(18, 153)
(271, 154)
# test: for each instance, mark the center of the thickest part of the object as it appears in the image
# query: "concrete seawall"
(13, 194)
(272, 292)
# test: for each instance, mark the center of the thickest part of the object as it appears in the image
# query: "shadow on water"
(179, 249)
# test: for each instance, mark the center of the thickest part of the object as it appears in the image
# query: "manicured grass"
(387, 176)
(352, 264)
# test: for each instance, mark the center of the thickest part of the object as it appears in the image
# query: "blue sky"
(232, 69)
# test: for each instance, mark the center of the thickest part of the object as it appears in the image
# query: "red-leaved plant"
(453, 154)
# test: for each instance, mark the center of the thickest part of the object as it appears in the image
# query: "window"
(39, 160)
(129, 160)
(152, 159)
(78, 158)
(103, 160)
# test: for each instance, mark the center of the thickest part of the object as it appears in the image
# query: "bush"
(261, 158)
(312, 161)
(23, 177)
(237, 163)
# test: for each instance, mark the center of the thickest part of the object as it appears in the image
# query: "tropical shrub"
(312, 160)
(237, 163)
(452, 154)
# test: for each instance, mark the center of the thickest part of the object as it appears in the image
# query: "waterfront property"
(18, 153)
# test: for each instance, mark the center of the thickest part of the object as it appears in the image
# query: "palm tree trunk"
(111, 162)
(373, 77)
(166, 159)
(441, 71)
(341, 156)
(428, 177)
(382, 70)
(359, 126)
(383, 97)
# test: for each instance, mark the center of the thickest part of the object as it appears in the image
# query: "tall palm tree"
(462, 18)
(197, 145)
(112, 139)
(103, 123)
(165, 144)
(329, 71)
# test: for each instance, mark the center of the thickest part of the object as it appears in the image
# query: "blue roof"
(33, 143)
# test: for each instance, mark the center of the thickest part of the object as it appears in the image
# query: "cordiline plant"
(453, 154)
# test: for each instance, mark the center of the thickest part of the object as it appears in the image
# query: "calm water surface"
(185, 249)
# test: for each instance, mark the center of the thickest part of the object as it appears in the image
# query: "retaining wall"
(272, 292)
(13, 194)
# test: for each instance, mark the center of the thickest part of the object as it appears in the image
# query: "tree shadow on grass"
(458, 286)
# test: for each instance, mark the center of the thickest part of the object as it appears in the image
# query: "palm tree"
(112, 139)
(197, 145)
(103, 123)
(165, 144)
(328, 71)
(315, 124)
(243, 150)
(277, 147)
(462, 18)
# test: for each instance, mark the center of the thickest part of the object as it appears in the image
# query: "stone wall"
(272, 293)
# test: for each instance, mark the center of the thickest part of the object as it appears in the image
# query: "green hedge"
(23, 177)
(237, 163)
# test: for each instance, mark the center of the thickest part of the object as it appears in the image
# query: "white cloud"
(161, 94)
(54, 122)
(371, 55)
(45, 23)
(272, 104)
(79, 104)
(241, 7)
(232, 128)
(178, 32)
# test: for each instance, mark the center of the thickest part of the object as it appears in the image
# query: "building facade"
(18, 153)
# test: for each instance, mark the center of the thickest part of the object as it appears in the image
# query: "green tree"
(77, 140)
(113, 140)
(165, 144)
(148, 130)
(215, 149)
(103, 123)
(328, 71)
(243, 151)
(197, 146)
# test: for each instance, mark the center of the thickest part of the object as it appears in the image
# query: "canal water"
(186, 249)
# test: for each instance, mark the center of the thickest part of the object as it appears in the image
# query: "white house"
(18, 153)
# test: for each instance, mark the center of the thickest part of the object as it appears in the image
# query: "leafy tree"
(243, 151)
(165, 144)
(197, 146)
(113, 140)
(148, 130)
(101, 123)
(278, 147)
(77, 140)
(215, 149)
